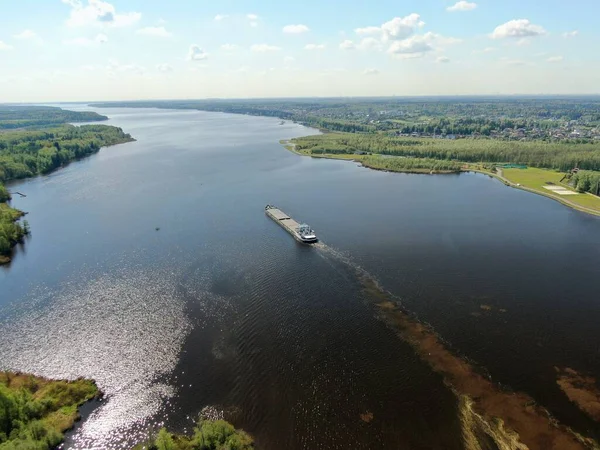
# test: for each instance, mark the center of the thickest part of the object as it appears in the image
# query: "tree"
(164, 440)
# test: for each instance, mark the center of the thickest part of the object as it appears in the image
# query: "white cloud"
(371, 72)
(413, 47)
(99, 13)
(314, 47)
(555, 59)
(25, 34)
(370, 43)
(4, 46)
(289, 60)
(87, 42)
(253, 24)
(462, 5)
(195, 53)
(518, 28)
(396, 29)
(229, 47)
(252, 16)
(220, 17)
(347, 45)
(295, 29)
(570, 34)
(401, 27)
(442, 59)
(164, 68)
(264, 48)
(367, 31)
(155, 32)
(523, 42)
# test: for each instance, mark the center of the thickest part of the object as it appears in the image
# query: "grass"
(35, 412)
(536, 179)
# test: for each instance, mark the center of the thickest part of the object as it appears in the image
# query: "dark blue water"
(220, 307)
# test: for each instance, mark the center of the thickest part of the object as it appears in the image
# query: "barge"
(300, 231)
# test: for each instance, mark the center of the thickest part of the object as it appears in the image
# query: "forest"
(28, 153)
(551, 155)
(20, 116)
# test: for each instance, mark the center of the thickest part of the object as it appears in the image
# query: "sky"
(87, 50)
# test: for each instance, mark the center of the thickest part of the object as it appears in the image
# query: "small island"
(36, 141)
(35, 412)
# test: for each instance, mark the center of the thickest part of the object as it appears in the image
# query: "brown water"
(220, 307)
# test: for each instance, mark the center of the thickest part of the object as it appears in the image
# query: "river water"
(153, 270)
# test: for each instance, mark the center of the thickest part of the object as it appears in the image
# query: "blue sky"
(63, 50)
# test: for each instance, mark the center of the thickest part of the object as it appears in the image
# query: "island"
(548, 145)
(36, 141)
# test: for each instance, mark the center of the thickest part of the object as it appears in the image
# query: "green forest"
(35, 412)
(28, 153)
(208, 435)
(18, 116)
(551, 155)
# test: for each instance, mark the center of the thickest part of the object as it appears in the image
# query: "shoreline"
(290, 146)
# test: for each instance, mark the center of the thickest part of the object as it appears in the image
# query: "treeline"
(417, 165)
(17, 116)
(11, 231)
(586, 181)
(29, 153)
(34, 413)
(552, 155)
(466, 126)
(208, 435)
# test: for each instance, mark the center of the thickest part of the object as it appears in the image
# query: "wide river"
(153, 269)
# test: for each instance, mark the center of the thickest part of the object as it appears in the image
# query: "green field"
(535, 179)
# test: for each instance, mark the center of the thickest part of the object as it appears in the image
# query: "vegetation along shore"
(35, 141)
(447, 135)
(35, 411)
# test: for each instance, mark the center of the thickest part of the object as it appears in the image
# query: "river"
(153, 269)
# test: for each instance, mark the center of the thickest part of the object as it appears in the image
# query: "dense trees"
(538, 154)
(586, 181)
(11, 231)
(12, 117)
(418, 165)
(28, 153)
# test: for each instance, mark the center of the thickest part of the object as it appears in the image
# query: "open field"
(536, 179)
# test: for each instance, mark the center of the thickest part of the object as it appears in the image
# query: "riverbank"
(37, 411)
(11, 231)
(530, 179)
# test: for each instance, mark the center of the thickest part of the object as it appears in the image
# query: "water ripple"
(124, 330)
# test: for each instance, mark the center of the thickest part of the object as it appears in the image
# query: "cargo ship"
(300, 231)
